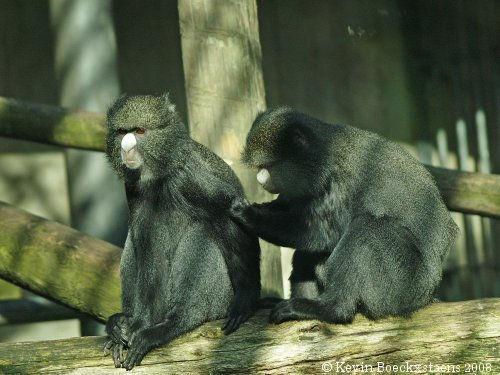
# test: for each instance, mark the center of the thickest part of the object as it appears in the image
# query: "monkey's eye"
(140, 131)
(122, 131)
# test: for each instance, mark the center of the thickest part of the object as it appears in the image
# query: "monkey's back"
(178, 256)
(397, 185)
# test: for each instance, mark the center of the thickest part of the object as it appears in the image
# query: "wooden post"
(225, 90)
(86, 68)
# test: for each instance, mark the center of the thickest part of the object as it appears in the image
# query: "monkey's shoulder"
(214, 165)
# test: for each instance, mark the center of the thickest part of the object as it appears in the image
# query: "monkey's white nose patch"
(263, 176)
(128, 142)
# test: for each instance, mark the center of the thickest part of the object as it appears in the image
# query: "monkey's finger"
(107, 347)
(229, 322)
(132, 359)
(116, 334)
(118, 337)
(122, 355)
(226, 323)
(233, 325)
(116, 355)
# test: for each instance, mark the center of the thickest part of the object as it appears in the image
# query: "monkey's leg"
(397, 277)
(149, 338)
(341, 277)
(276, 225)
(303, 279)
(335, 304)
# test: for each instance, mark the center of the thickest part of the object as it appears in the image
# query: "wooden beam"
(221, 56)
(51, 125)
(16, 311)
(60, 263)
(454, 334)
(468, 192)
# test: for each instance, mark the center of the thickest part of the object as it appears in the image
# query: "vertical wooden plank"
(455, 279)
(489, 271)
(472, 222)
(85, 65)
(225, 90)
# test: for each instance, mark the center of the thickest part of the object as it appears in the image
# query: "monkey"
(367, 221)
(185, 260)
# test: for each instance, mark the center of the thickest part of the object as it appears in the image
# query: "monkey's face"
(141, 130)
(282, 151)
(282, 176)
(129, 145)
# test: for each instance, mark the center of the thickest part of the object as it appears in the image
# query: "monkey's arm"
(209, 192)
(272, 221)
(241, 253)
(118, 325)
(240, 250)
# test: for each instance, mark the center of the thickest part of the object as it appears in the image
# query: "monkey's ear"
(168, 103)
(116, 105)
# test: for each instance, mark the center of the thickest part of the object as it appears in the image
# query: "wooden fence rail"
(51, 125)
(60, 263)
(463, 191)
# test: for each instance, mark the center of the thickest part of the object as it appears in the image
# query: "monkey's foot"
(292, 309)
(140, 345)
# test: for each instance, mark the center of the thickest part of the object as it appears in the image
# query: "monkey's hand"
(242, 307)
(117, 352)
(118, 336)
(118, 329)
(238, 210)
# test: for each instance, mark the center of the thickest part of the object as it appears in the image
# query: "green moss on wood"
(51, 125)
(61, 263)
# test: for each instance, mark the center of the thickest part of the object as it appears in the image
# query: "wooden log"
(51, 125)
(468, 192)
(60, 263)
(444, 335)
(221, 56)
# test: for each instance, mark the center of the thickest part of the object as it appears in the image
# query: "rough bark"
(51, 125)
(444, 334)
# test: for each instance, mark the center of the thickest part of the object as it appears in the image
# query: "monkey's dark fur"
(368, 223)
(185, 261)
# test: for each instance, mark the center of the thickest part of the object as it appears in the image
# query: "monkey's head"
(142, 130)
(283, 145)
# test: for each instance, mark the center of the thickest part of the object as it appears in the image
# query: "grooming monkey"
(369, 226)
